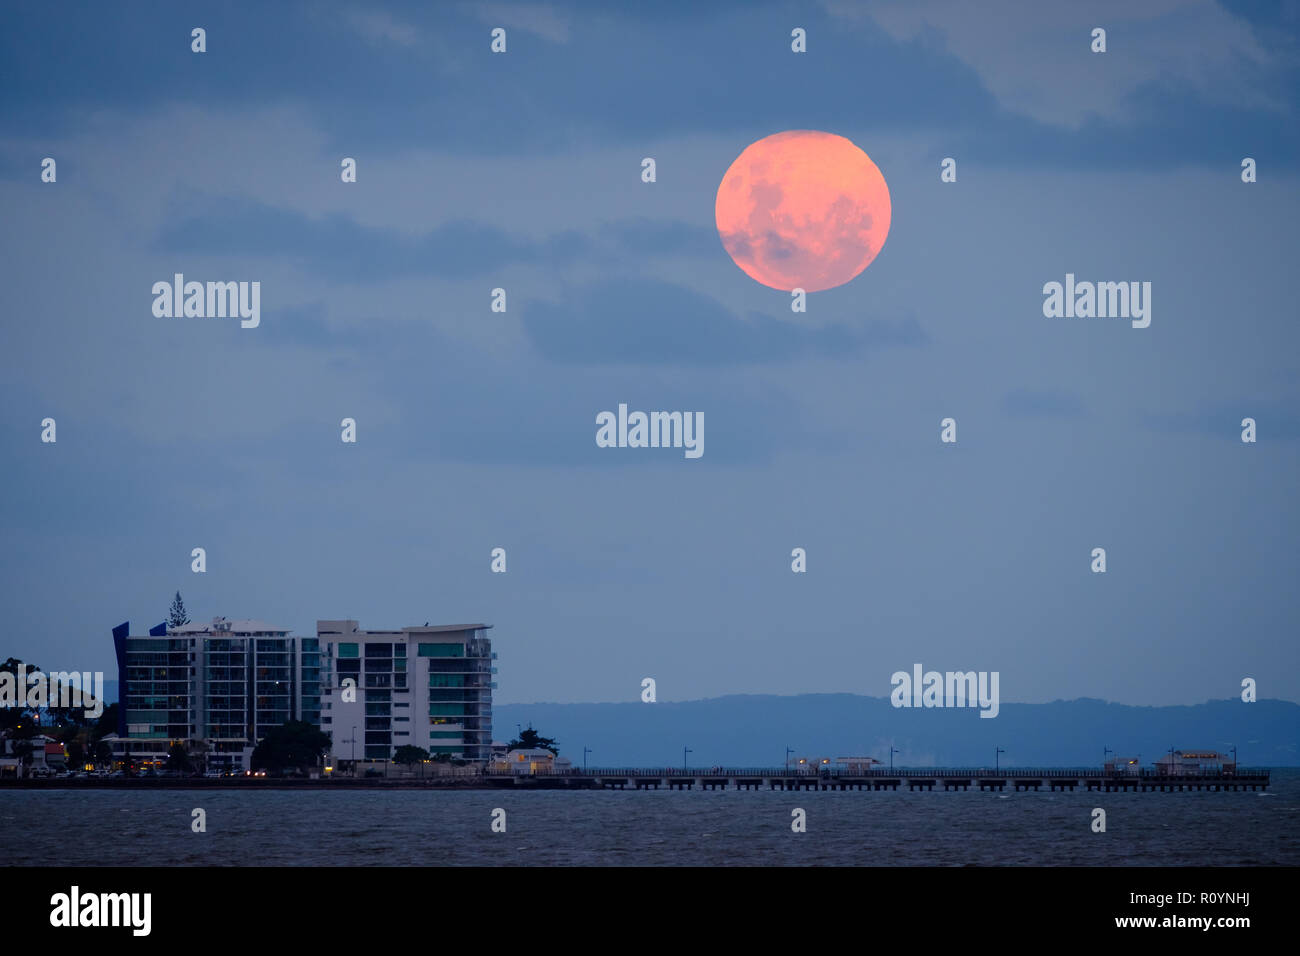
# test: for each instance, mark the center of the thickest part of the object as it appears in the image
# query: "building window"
(442, 650)
(348, 650)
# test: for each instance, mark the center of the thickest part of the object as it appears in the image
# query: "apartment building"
(429, 687)
(225, 683)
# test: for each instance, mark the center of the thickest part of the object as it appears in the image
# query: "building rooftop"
(223, 626)
(349, 626)
(446, 627)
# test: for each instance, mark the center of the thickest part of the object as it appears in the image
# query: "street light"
(996, 766)
(892, 751)
(788, 752)
(585, 751)
(685, 751)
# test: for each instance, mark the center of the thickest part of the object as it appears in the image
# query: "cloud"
(1036, 58)
(337, 246)
(538, 19)
(380, 28)
(632, 321)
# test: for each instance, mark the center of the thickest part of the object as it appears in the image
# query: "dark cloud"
(342, 249)
(446, 90)
(650, 322)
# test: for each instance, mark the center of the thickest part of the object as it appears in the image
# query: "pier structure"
(1016, 779)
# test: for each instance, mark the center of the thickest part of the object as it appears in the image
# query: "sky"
(475, 428)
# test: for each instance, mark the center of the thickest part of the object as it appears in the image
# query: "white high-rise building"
(429, 687)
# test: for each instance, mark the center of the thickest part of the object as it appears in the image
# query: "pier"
(1012, 779)
(1017, 779)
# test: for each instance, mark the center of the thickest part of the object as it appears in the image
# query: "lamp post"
(998, 751)
(585, 751)
(788, 752)
(685, 751)
(892, 751)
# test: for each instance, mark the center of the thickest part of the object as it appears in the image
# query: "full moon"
(803, 209)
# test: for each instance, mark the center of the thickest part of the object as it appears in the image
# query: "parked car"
(213, 774)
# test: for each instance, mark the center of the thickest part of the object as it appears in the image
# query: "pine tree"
(177, 617)
(530, 739)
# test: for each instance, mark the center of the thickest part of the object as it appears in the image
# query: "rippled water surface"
(708, 828)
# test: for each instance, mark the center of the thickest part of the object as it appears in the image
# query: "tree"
(106, 724)
(198, 749)
(178, 758)
(103, 754)
(293, 746)
(76, 750)
(12, 717)
(410, 755)
(178, 616)
(530, 739)
(23, 750)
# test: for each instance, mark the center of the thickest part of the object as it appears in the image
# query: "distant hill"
(754, 730)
